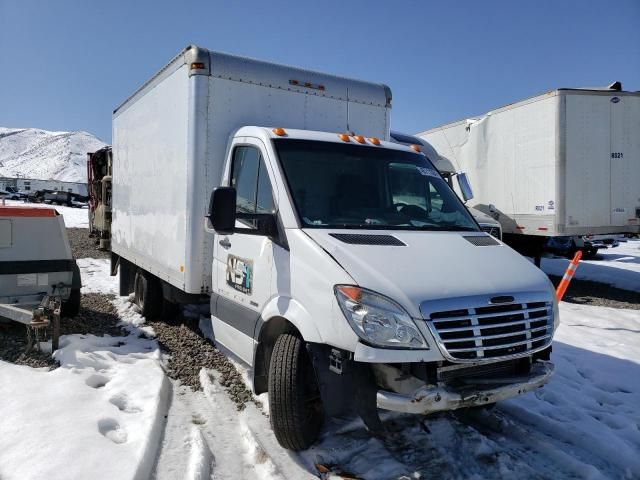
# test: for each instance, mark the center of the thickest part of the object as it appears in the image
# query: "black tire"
(294, 399)
(148, 295)
(71, 306)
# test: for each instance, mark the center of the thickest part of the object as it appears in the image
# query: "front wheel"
(294, 398)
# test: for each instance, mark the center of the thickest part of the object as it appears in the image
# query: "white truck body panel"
(563, 163)
(170, 141)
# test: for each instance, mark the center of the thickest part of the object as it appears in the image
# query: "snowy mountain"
(35, 153)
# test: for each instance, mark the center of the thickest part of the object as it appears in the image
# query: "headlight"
(378, 319)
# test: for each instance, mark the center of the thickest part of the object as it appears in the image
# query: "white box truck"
(340, 266)
(565, 163)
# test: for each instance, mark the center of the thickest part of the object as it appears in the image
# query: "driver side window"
(250, 179)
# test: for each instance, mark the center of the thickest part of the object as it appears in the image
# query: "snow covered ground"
(99, 415)
(109, 411)
(618, 266)
(73, 217)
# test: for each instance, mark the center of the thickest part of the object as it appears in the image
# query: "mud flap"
(346, 386)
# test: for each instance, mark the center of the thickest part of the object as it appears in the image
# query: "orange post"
(568, 275)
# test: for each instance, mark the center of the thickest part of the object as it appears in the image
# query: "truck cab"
(358, 251)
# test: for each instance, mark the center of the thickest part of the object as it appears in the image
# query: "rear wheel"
(294, 398)
(148, 295)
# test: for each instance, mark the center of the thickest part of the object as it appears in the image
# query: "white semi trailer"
(565, 163)
(340, 266)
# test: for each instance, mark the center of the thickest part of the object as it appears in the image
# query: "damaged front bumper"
(430, 398)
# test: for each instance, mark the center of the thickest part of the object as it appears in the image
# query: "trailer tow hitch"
(47, 314)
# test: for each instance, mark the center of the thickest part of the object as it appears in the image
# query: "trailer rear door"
(625, 158)
(588, 161)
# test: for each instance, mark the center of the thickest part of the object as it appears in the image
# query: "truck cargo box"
(563, 163)
(170, 139)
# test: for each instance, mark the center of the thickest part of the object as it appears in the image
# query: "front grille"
(493, 331)
(494, 231)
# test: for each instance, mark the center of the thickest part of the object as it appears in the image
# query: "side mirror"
(222, 210)
(465, 186)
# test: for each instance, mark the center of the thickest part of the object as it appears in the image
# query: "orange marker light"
(359, 138)
(196, 66)
(374, 140)
(416, 148)
(354, 293)
(344, 137)
(279, 131)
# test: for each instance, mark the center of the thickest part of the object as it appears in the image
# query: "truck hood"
(433, 266)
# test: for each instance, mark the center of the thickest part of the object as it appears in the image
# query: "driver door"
(242, 263)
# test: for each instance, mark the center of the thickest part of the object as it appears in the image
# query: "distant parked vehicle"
(59, 198)
(14, 194)
(36, 196)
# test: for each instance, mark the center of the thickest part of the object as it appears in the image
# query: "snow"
(41, 154)
(109, 411)
(100, 413)
(95, 274)
(618, 266)
(73, 217)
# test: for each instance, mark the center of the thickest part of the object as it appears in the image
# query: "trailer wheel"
(71, 307)
(294, 398)
(148, 295)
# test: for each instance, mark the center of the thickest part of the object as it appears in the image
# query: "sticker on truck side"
(240, 274)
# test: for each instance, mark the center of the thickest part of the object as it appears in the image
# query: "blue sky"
(65, 65)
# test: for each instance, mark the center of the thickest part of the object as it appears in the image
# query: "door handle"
(225, 243)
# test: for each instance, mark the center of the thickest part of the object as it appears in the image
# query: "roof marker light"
(416, 148)
(359, 139)
(374, 140)
(196, 66)
(344, 137)
(279, 132)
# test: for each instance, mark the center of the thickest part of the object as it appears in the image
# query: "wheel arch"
(283, 315)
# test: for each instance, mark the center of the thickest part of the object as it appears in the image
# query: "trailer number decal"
(617, 155)
(240, 274)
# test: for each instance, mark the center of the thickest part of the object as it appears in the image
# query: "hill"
(35, 153)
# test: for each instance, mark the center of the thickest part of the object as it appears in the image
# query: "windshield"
(351, 186)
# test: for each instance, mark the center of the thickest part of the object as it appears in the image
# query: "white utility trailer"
(565, 163)
(39, 280)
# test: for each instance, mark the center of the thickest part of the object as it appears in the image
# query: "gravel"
(84, 246)
(97, 316)
(189, 352)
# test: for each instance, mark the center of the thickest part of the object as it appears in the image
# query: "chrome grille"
(493, 331)
(495, 231)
